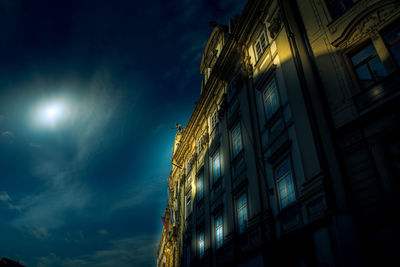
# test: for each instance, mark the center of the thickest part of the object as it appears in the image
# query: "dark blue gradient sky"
(89, 190)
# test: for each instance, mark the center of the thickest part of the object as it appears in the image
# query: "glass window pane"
(363, 54)
(263, 41)
(283, 169)
(392, 36)
(392, 40)
(216, 167)
(258, 49)
(284, 202)
(282, 188)
(334, 8)
(347, 3)
(364, 76)
(271, 101)
(200, 187)
(285, 184)
(395, 49)
(378, 70)
(236, 140)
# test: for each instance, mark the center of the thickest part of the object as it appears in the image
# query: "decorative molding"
(279, 151)
(219, 207)
(240, 186)
(275, 27)
(365, 22)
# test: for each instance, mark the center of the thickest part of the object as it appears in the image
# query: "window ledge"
(238, 157)
(274, 118)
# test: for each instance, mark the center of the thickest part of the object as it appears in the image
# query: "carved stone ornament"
(366, 24)
(247, 69)
(275, 27)
(203, 140)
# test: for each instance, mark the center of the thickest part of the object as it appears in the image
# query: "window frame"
(242, 227)
(200, 177)
(213, 170)
(258, 41)
(236, 136)
(342, 6)
(393, 26)
(365, 62)
(219, 231)
(201, 244)
(282, 178)
(213, 120)
(266, 88)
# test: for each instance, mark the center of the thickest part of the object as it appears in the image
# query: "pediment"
(211, 52)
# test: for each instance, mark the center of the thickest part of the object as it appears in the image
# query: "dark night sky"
(88, 189)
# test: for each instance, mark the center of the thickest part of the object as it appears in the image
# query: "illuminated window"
(271, 99)
(200, 187)
(392, 40)
(368, 66)
(201, 245)
(338, 7)
(219, 231)
(236, 140)
(216, 166)
(284, 180)
(242, 212)
(261, 45)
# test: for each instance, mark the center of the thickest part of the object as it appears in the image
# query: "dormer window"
(261, 45)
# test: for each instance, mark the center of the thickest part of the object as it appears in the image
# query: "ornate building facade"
(291, 156)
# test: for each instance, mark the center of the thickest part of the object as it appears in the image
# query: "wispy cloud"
(5, 198)
(47, 210)
(63, 189)
(140, 194)
(103, 232)
(134, 251)
(8, 137)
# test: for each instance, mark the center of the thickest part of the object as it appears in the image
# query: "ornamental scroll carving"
(367, 23)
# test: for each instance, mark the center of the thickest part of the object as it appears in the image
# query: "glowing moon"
(52, 112)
